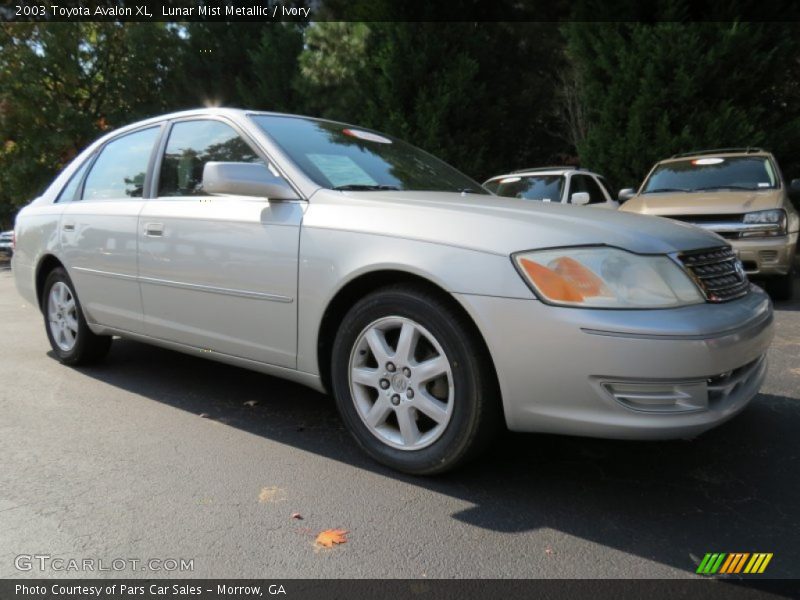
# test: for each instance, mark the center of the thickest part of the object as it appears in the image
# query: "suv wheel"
(411, 382)
(70, 337)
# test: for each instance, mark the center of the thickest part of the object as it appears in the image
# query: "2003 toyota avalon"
(352, 262)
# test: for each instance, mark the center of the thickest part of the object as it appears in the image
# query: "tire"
(781, 288)
(70, 337)
(453, 408)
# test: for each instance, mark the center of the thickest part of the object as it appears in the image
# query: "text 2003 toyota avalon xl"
(353, 262)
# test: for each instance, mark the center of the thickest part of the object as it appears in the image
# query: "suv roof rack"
(555, 168)
(747, 150)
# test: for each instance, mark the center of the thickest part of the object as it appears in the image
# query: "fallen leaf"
(251, 403)
(272, 494)
(329, 537)
(548, 550)
(203, 415)
(296, 515)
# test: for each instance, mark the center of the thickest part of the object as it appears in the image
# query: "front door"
(218, 273)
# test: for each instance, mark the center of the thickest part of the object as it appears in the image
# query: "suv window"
(119, 172)
(68, 193)
(713, 173)
(585, 183)
(191, 145)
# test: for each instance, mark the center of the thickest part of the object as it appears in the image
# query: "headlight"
(601, 277)
(766, 223)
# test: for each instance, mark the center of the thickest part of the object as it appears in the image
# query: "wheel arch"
(46, 264)
(369, 282)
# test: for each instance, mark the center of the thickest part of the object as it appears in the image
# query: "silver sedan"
(354, 263)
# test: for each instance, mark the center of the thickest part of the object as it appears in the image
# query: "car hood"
(499, 225)
(703, 203)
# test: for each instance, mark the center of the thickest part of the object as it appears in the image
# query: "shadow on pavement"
(734, 489)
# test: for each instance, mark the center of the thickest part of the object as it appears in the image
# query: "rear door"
(99, 230)
(218, 272)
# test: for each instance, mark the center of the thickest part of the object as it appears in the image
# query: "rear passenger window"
(68, 193)
(119, 172)
(190, 146)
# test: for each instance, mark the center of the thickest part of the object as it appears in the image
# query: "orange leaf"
(329, 537)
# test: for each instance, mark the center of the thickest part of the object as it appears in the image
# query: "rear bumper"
(650, 374)
(766, 256)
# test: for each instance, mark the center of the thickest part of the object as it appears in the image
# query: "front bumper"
(766, 256)
(635, 374)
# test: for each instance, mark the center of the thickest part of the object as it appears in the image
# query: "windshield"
(336, 156)
(540, 187)
(707, 173)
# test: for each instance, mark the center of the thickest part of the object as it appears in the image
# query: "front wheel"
(412, 383)
(70, 337)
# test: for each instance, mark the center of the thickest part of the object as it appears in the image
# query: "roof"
(557, 170)
(748, 151)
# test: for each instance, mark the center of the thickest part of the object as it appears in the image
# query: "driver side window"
(190, 146)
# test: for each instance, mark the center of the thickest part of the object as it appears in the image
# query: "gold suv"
(738, 193)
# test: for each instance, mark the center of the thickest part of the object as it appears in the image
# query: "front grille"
(724, 225)
(718, 273)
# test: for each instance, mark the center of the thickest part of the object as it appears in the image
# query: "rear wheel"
(781, 288)
(411, 382)
(70, 337)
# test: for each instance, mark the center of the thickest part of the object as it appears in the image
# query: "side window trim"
(603, 191)
(76, 195)
(145, 187)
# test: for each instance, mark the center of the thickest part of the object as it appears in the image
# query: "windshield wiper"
(655, 191)
(360, 187)
(724, 187)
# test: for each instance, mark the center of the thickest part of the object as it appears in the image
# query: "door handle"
(69, 227)
(154, 229)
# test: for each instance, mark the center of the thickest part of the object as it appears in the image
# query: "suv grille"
(718, 272)
(724, 225)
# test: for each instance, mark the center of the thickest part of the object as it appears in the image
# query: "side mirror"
(580, 198)
(245, 179)
(794, 189)
(626, 194)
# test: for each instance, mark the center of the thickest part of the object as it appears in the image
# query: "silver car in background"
(567, 185)
(354, 263)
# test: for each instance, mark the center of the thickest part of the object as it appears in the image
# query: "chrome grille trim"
(717, 272)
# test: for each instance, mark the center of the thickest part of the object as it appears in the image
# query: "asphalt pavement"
(159, 455)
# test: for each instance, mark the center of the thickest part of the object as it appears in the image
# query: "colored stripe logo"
(721, 563)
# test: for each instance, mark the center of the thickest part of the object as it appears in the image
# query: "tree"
(270, 82)
(333, 60)
(651, 90)
(454, 89)
(63, 84)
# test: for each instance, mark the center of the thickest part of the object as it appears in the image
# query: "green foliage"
(454, 89)
(270, 82)
(62, 85)
(486, 96)
(651, 90)
(334, 58)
